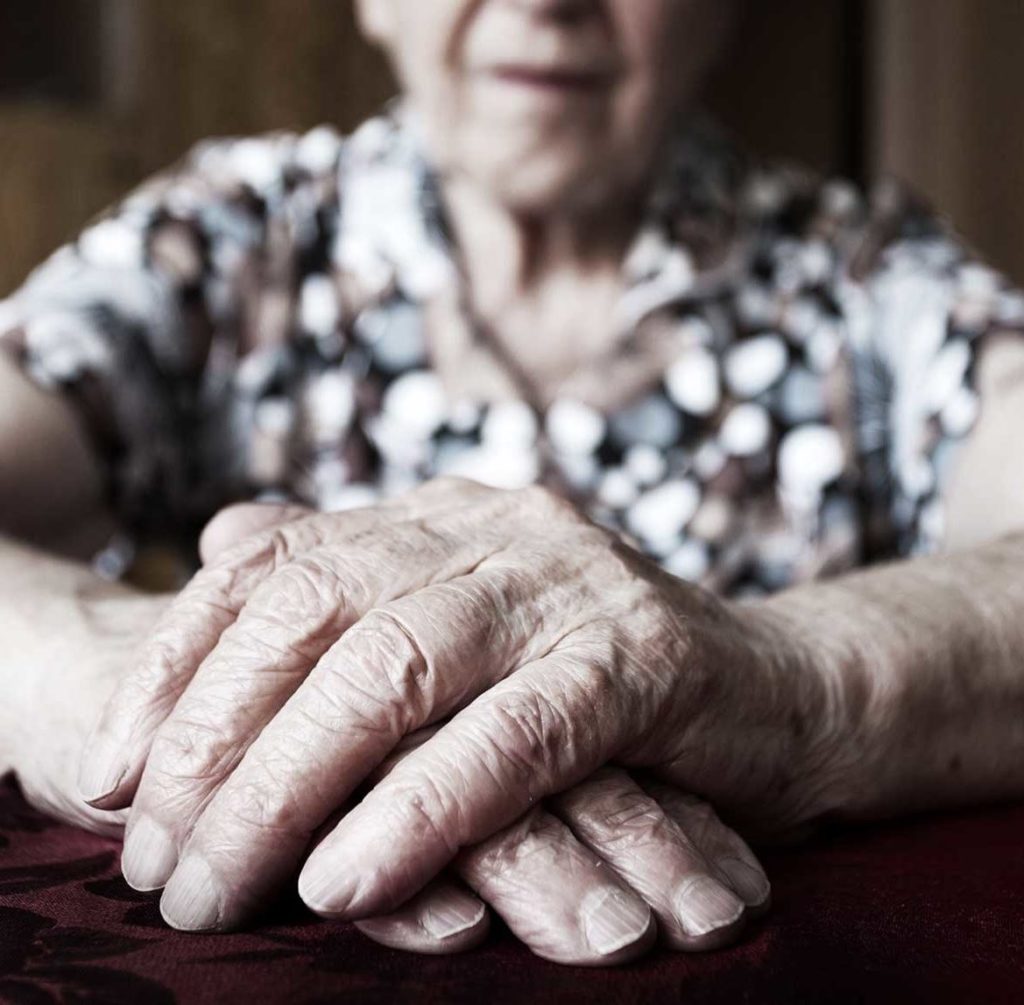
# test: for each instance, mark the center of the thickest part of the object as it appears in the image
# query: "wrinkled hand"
(50, 707)
(591, 877)
(294, 664)
(577, 880)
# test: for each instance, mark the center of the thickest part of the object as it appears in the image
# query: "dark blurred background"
(96, 94)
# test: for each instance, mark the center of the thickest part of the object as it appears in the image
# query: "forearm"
(61, 623)
(35, 603)
(925, 662)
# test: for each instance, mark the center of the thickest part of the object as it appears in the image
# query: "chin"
(554, 181)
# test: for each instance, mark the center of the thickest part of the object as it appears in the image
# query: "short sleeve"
(141, 319)
(919, 307)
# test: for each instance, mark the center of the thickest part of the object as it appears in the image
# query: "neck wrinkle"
(508, 255)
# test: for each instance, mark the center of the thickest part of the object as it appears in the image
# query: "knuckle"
(389, 653)
(237, 570)
(305, 581)
(699, 819)
(336, 704)
(543, 502)
(530, 738)
(157, 670)
(293, 613)
(598, 681)
(589, 677)
(266, 803)
(629, 823)
(424, 809)
(263, 552)
(188, 750)
(510, 852)
(458, 485)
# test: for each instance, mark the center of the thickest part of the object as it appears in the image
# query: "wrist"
(62, 626)
(819, 690)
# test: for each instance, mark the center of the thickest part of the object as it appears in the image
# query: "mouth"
(552, 80)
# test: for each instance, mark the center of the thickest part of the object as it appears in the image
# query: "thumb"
(235, 523)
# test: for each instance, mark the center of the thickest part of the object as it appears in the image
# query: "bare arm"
(929, 653)
(89, 346)
(51, 490)
(52, 517)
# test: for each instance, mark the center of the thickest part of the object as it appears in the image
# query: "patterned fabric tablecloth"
(930, 909)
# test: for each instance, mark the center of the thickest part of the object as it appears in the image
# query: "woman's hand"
(323, 642)
(69, 638)
(590, 878)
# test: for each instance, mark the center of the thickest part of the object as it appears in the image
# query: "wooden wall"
(947, 113)
(95, 94)
(161, 75)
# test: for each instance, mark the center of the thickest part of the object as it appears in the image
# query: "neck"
(512, 256)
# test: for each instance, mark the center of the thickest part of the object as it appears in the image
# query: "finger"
(190, 628)
(400, 667)
(654, 855)
(194, 624)
(234, 524)
(537, 877)
(542, 730)
(730, 856)
(668, 851)
(557, 896)
(443, 918)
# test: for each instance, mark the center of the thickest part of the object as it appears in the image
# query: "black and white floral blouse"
(256, 324)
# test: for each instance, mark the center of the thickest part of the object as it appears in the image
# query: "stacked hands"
(458, 698)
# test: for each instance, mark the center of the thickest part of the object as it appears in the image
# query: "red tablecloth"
(930, 909)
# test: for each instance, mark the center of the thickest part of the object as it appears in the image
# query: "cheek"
(425, 45)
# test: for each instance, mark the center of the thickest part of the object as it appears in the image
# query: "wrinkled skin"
(293, 665)
(550, 883)
(96, 647)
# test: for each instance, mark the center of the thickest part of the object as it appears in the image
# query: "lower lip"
(551, 83)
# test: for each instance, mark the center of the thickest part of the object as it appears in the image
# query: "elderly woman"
(573, 432)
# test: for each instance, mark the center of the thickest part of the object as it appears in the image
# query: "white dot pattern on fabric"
(692, 382)
(510, 424)
(661, 513)
(574, 428)
(754, 365)
(809, 458)
(417, 402)
(746, 430)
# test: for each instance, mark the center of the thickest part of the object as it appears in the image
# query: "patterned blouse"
(256, 323)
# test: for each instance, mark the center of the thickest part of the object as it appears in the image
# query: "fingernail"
(613, 920)
(149, 855)
(451, 914)
(325, 889)
(705, 905)
(191, 901)
(101, 770)
(750, 883)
